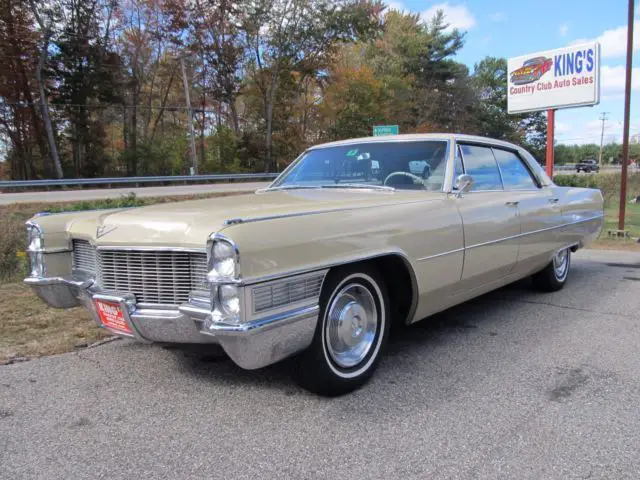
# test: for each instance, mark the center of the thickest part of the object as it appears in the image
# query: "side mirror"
(464, 183)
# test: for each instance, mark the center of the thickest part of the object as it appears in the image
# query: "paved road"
(95, 194)
(514, 385)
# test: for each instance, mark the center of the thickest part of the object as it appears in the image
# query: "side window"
(515, 174)
(480, 163)
(458, 167)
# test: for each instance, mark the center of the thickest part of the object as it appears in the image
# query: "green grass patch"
(631, 219)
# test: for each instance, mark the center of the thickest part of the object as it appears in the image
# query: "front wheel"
(553, 277)
(352, 331)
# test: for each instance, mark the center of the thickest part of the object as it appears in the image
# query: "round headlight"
(224, 259)
(35, 250)
(229, 297)
(35, 241)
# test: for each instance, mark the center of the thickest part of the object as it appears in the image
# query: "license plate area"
(112, 316)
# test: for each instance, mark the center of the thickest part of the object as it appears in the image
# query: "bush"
(13, 238)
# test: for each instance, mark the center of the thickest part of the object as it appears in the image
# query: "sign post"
(551, 119)
(379, 130)
(563, 78)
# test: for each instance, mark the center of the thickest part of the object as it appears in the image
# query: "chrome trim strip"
(511, 237)
(236, 221)
(150, 248)
(57, 250)
(265, 323)
(533, 232)
(429, 257)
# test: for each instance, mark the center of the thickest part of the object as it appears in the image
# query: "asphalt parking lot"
(513, 385)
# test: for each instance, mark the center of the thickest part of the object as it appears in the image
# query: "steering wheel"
(403, 174)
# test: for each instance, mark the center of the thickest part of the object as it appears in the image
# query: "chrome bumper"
(251, 345)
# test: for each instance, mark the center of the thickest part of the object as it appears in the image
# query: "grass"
(632, 225)
(29, 328)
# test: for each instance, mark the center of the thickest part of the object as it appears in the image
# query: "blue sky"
(507, 28)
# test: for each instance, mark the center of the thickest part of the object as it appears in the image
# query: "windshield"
(403, 165)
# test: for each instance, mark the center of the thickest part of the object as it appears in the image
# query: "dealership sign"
(566, 77)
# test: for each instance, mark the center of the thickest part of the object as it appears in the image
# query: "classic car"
(317, 266)
(531, 70)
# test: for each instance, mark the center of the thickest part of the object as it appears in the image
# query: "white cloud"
(577, 131)
(497, 17)
(613, 42)
(612, 80)
(457, 16)
(562, 128)
(563, 30)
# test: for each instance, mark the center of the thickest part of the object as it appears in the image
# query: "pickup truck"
(587, 166)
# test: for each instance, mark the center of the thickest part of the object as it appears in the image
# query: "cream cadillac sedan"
(353, 236)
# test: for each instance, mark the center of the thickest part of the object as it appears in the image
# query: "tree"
(46, 19)
(19, 120)
(284, 36)
(84, 67)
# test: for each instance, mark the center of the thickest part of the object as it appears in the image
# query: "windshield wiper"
(360, 185)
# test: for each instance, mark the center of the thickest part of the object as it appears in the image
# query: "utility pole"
(625, 129)
(603, 117)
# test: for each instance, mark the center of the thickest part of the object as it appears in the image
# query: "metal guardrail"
(69, 182)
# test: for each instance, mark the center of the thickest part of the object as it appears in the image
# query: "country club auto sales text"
(578, 66)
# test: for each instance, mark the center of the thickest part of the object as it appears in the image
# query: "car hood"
(189, 224)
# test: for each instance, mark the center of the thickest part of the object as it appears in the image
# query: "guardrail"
(70, 182)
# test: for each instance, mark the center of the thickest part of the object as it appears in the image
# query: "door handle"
(554, 200)
(512, 204)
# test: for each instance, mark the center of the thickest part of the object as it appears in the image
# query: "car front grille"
(159, 277)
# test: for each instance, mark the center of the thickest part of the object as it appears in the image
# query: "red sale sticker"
(111, 316)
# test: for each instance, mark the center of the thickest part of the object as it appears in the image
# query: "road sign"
(379, 130)
(566, 77)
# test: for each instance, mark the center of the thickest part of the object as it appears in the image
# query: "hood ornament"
(104, 229)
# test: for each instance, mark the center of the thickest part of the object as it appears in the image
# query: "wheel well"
(400, 282)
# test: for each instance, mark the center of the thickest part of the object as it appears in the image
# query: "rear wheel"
(352, 331)
(553, 277)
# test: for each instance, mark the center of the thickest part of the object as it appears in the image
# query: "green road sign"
(385, 130)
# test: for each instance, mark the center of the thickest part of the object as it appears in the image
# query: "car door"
(489, 217)
(539, 209)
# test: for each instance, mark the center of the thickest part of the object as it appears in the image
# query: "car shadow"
(404, 341)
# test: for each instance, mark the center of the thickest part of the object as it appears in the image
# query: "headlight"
(35, 250)
(224, 260)
(229, 298)
(224, 277)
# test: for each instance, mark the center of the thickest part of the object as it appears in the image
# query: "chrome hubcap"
(561, 263)
(352, 323)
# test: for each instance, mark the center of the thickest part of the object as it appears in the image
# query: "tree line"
(611, 153)
(147, 87)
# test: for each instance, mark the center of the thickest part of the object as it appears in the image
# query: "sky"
(510, 28)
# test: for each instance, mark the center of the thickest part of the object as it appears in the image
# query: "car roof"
(413, 137)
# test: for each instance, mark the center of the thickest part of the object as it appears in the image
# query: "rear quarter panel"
(582, 215)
